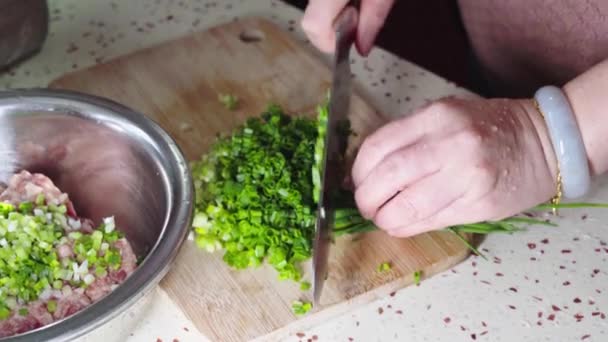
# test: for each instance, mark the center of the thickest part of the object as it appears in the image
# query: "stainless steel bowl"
(110, 160)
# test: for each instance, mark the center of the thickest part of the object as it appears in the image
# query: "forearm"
(588, 95)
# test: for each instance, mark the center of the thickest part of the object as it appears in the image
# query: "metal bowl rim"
(160, 257)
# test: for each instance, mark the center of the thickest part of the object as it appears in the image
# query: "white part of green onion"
(201, 221)
(76, 270)
(109, 224)
(46, 294)
(66, 290)
(88, 279)
(84, 267)
(74, 224)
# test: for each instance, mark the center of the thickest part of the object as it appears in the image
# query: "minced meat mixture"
(52, 262)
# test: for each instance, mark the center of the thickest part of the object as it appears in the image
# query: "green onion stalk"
(257, 189)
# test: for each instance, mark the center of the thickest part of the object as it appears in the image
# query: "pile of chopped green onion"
(30, 235)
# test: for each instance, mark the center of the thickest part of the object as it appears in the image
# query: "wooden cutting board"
(177, 84)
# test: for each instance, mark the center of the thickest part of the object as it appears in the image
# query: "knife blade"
(335, 145)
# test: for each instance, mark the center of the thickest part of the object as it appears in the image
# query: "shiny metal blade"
(335, 145)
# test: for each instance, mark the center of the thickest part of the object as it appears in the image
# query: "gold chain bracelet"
(558, 194)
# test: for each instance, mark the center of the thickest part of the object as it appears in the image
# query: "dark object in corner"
(23, 30)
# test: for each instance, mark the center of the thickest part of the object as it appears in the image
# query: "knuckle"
(470, 140)
(447, 111)
(309, 25)
(361, 166)
(369, 149)
(391, 168)
(407, 207)
(444, 106)
(371, 145)
(366, 210)
(398, 212)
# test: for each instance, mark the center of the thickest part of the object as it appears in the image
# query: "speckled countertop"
(546, 284)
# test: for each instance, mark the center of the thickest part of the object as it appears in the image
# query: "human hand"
(455, 162)
(319, 17)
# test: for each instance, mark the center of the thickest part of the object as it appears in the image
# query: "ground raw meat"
(17, 324)
(36, 317)
(25, 187)
(129, 260)
(65, 251)
(99, 288)
(102, 286)
(38, 311)
(71, 303)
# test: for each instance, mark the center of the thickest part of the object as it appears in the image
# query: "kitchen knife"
(335, 145)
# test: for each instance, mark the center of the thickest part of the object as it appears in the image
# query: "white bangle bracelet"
(566, 139)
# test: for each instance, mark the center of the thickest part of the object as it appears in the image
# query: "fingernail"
(361, 50)
(365, 44)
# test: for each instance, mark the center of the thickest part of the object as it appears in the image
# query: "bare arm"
(588, 95)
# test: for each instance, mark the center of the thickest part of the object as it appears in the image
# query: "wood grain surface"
(177, 84)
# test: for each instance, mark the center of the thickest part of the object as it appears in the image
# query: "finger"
(318, 22)
(384, 141)
(421, 201)
(447, 217)
(372, 18)
(395, 172)
(441, 220)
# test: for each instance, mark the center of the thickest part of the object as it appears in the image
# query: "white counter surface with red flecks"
(545, 284)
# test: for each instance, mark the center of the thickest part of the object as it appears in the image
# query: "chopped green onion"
(300, 308)
(304, 286)
(26, 207)
(29, 263)
(383, 267)
(75, 235)
(100, 272)
(109, 224)
(417, 276)
(5, 312)
(51, 306)
(57, 284)
(6, 208)
(228, 100)
(88, 279)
